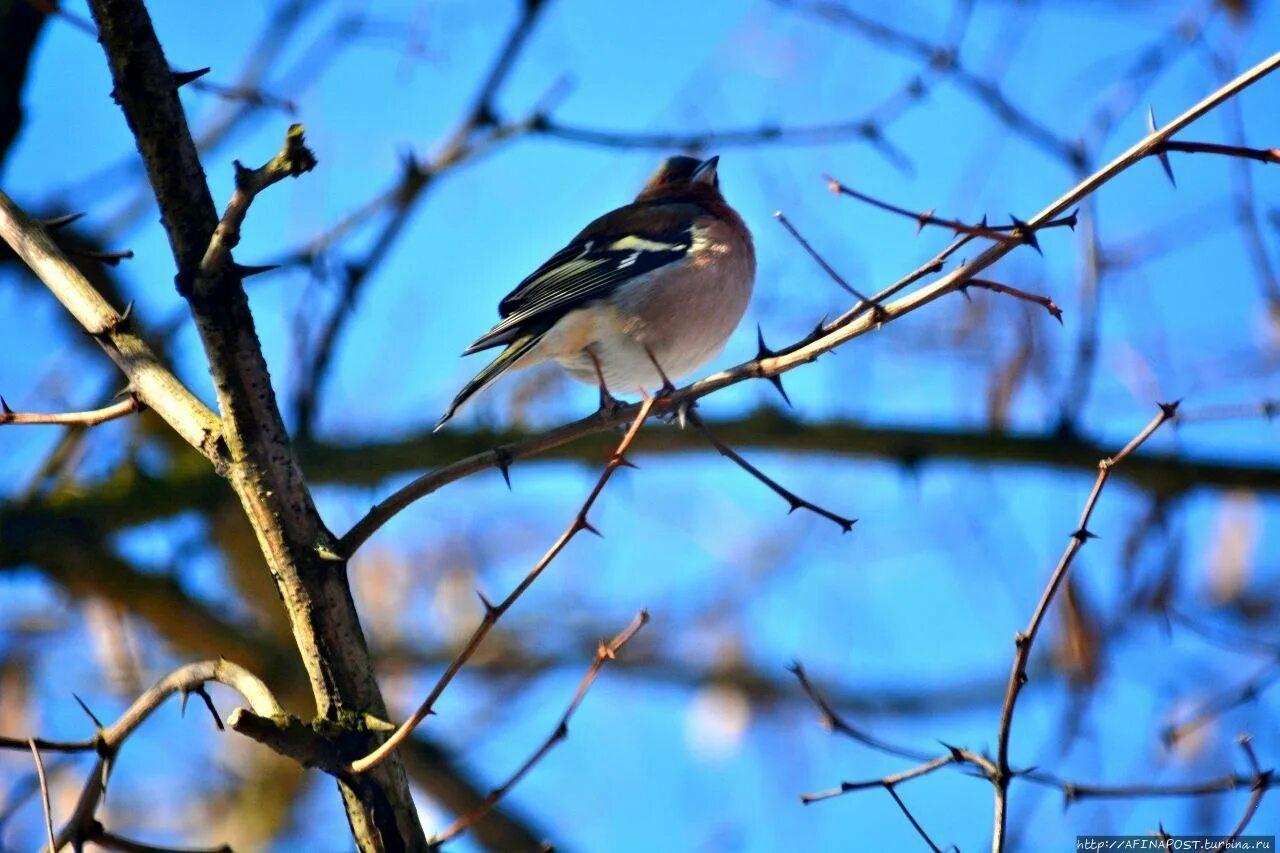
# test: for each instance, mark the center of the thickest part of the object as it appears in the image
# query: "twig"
(494, 612)
(1246, 692)
(44, 790)
(1262, 155)
(912, 819)
(604, 654)
(108, 739)
(1262, 781)
(1024, 640)
(822, 262)
(834, 722)
(132, 403)
(796, 502)
(995, 287)
(293, 159)
(153, 382)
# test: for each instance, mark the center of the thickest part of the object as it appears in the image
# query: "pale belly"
(681, 322)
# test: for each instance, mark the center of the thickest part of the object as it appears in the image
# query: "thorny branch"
(107, 741)
(605, 652)
(494, 612)
(132, 403)
(1024, 640)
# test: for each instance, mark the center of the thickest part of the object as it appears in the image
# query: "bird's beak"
(706, 172)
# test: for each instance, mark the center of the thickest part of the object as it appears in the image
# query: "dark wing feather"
(615, 248)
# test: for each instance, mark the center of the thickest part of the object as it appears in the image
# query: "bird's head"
(682, 175)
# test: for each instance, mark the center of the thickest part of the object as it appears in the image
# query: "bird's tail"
(518, 348)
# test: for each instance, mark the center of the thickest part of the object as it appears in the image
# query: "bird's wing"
(619, 246)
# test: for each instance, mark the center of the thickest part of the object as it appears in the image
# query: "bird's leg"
(668, 387)
(608, 403)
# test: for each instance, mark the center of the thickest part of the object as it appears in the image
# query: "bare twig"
(1262, 781)
(494, 612)
(1234, 698)
(605, 652)
(44, 790)
(1024, 640)
(822, 262)
(153, 382)
(795, 501)
(132, 403)
(1036, 299)
(109, 739)
(293, 159)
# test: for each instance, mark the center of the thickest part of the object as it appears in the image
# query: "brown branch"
(604, 654)
(1262, 781)
(151, 380)
(1036, 299)
(293, 159)
(893, 792)
(821, 261)
(885, 782)
(1262, 155)
(1014, 234)
(1244, 693)
(44, 790)
(492, 612)
(132, 403)
(108, 740)
(1024, 640)
(795, 501)
(833, 722)
(262, 468)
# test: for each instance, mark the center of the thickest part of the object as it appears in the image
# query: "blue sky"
(946, 562)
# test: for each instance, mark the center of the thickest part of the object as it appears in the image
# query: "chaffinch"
(646, 293)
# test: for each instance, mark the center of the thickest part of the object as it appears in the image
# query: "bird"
(645, 294)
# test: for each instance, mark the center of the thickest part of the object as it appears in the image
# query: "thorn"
(583, 524)
(846, 524)
(1083, 535)
(763, 352)
(5, 411)
(1169, 410)
(776, 381)
(490, 611)
(1072, 219)
(85, 708)
(245, 270)
(182, 78)
(820, 329)
(624, 462)
(562, 731)
(56, 222)
(1069, 795)
(1161, 155)
(124, 315)
(762, 349)
(503, 460)
(922, 219)
(1027, 234)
